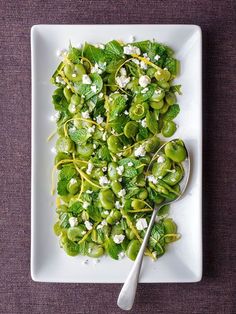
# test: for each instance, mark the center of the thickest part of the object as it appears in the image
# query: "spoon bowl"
(127, 294)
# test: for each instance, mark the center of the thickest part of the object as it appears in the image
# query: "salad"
(112, 102)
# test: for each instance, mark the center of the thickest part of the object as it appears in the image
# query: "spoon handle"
(127, 294)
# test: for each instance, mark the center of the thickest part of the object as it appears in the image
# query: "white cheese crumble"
(144, 80)
(122, 81)
(73, 181)
(120, 179)
(118, 205)
(152, 179)
(89, 168)
(104, 169)
(60, 80)
(160, 160)
(89, 191)
(96, 69)
(101, 46)
(129, 50)
(85, 262)
(144, 123)
(118, 238)
(157, 57)
(103, 181)
(141, 224)
(94, 146)
(85, 115)
(146, 56)
(120, 170)
(100, 95)
(73, 221)
(143, 65)
(136, 61)
(86, 79)
(99, 119)
(88, 225)
(104, 136)
(73, 75)
(91, 129)
(130, 164)
(85, 205)
(102, 224)
(143, 91)
(106, 212)
(126, 112)
(72, 108)
(93, 88)
(139, 151)
(55, 117)
(123, 72)
(122, 193)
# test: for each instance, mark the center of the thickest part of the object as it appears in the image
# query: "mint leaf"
(85, 89)
(112, 248)
(95, 55)
(59, 101)
(62, 187)
(114, 50)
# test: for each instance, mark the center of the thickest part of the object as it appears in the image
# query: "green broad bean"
(76, 233)
(164, 108)
(172, 196)
(114, 144)
(158, 95)
(85, 150)
(97, 236)
(160, 169)
(176, 151)
(138, 111)
(71, 248)
(67, 93)
(116, 229)
(137, 204)
(129, 234)
(74, 72)
(107, 198)
(142, 194)
(162, 75)
(131, 129)
(95, 250)
(151, 72)
(141, 180)
(61, 156)
(145, 159)
(112, 172)
(84, 215)
(157, 104)
(168, 128)
(152, 144)
(62, 209)
(170, 228)
(170, 98)
(57, 229)
(133, 84)
(133, 249)
(174, 177)
(64, 144)
(73, 186)
(116, 187)
(113, 217)
(97, 173)
(165, 85)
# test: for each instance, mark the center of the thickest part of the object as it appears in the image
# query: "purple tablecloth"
(214, 294)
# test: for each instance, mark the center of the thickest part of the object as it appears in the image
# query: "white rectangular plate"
(183, 259)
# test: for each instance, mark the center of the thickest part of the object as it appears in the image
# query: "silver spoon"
(127, 294)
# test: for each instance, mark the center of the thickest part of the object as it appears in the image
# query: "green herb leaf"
(118, 105)
(59, 101)
(74, 55)
(141, 97)
(176, 89)
(79, 136)
(113, 50)
(112, 248)
(95, 55)
(62, 187)
(85, 89)
(75, 208)
(94, 213)
(119, 123)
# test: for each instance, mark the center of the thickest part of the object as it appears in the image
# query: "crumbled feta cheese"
(89, 192)
(118, 238)
(130, 164)
(85, 115)
(143, 65)
(88, 225)
(122, 193)
(73, 221)
(83, 232)
(93, 88)
(60, 80)
(120, 170)
(120, 179)
(143, 91)
(103, 180)
(94, 146)
(160, 160)
(152, 179)
(121, 255)
(99, 119)
(157, 57)
(144, 123)
(86, 204)
(86, 79)
(131, 38)
(122, 81)
(123, 71)
(72, 108)
(117, 205)
(96, 69)
(139, 151)
(73, 75)
(73, 181)
(90, 168)
(85, 262)
(104, 136)
(145, 55)
(100, 95)
(104, 169)
(55, 117)
(101, 46)
(141, 224)
(144, 80)
(126, 112)
(158, 92)
(136, 61)
(102, 224)
(129, 50)
(106, 212)
(91, 129)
